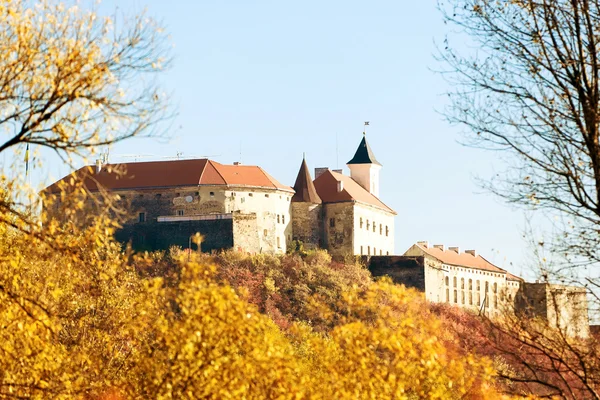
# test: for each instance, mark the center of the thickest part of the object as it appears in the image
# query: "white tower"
(364, 168)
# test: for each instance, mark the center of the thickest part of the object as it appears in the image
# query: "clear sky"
(265, 81)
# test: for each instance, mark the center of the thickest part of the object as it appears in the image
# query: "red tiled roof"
(140, 175)
(460, 259)
(327, 185)
(512, 277)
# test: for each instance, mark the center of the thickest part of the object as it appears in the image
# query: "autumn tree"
(525, 84)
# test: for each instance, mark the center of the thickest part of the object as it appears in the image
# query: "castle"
(242, 207)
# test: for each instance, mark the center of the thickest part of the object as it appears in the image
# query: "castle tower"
(306, 210)
(364, 168)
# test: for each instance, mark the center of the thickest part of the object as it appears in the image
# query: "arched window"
(495, 287)
(462, 283)
(454, 282)
(447, 281)
(470, 284)
(487, 286)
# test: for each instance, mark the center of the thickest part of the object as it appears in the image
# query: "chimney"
(339, 171)
(237, 163)
(319, 171)
(455, 249)
(340, 186)
(472, 252)
(98, 165)
(424, 244)
(439, 246)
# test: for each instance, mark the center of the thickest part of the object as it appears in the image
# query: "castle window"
(212, 194)
(387, 231)
(179, 212)
(265, 232)
(454, 281)
(380, 252)
(447, 295)
(462, 283)
(478, 299)
(278, 221)
(495, 301)
(447, 281)
(243, 200)
(487, 286)
(374, 251)
(331, 222)
(368, 250)
(368, 225)
(250, 194)
(361, 250)
(283, 219)
(278, 242)
(470, 298)
(374, 226)
(462, 297)
(387, 253)
(487, 301)
(197, 193)
(495, 287)
(142, 217)
(470, 284)
(361, 223)
(478, 287)
(455, 296)
(266, 195)
(380, 229)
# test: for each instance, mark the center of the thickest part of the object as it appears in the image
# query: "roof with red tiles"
(151, 174)
(461, 259)
(304, 187)
(512, 277)
(327, 189)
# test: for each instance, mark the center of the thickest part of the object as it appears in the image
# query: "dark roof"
(327, 187)
(143, 175)
(304, 187)
(364, 154)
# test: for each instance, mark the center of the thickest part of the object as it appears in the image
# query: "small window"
(387, 253)
(447, 281)
(380, 229)
(197, 193)
(278, 242)
(283, 219)
(454, 281)
(212, 194)
(447, 295)
(250, 194)
(478, 299)
(462, 297)
(374, 226)
(266, 195)
(142, 217)
(380, 252)
(361, 250)
(462, 283)
(470, 298)
(470, 284)
(368, 250)
(495, 301)
(387, 231)
(361, 223)
(331, 222)
(495, 287)
(265, 232)
(374, 251)
(487, 286)
(455, 296)
(478, 286)
(278, 219)
(243, 200)
(368, 225)
(179, 212)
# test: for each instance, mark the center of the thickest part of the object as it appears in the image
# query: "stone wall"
(307, 224)
(218, 234)
(561, 306)
(245, 233)
(338, 227)
(408, 271)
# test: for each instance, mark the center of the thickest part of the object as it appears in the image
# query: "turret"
(364, 167)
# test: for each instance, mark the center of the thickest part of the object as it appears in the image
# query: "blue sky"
(275, 79)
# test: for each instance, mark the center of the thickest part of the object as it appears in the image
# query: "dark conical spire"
(304, 187)
(364, 154)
